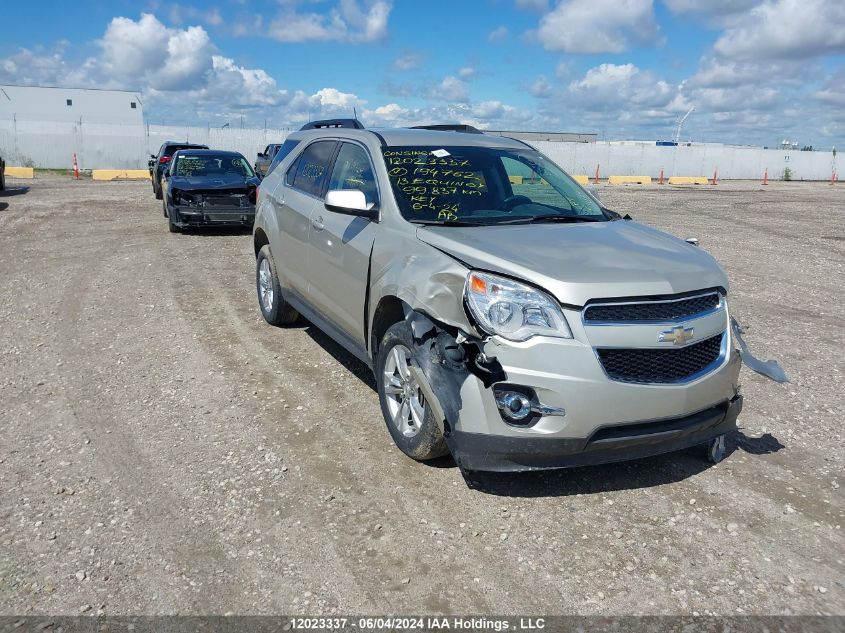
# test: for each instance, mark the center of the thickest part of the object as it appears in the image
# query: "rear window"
(172, 149)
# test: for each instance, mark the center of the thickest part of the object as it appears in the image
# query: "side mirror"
(351, 202)
(692, 240)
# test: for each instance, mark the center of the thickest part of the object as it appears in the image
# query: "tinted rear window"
(171, 149)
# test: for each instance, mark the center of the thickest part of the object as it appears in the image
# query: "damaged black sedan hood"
(213, 183)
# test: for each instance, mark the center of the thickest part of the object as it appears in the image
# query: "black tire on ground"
(157, 190)
(173, 228)
(429, 442)
(2, 180)
(280, 312)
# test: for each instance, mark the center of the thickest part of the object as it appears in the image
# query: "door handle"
(318, 223)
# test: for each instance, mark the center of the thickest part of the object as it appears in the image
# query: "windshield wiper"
(448, 223)
(551, 217)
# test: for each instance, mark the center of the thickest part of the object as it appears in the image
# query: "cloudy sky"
(756, 71)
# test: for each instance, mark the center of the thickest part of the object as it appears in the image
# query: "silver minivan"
(510, 319)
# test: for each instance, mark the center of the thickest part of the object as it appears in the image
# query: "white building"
(71, 105)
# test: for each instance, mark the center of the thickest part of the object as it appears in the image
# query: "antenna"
(354, 113)
(680, 123)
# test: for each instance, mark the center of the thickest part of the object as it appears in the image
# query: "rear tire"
(408, 418)
(275, 310)
(157, 191)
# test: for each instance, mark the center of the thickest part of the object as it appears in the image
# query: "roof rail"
(449, 127)
(348, 123)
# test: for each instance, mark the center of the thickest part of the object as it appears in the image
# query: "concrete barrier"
(688, 180)
(629, 180)
(120, 174)
(581, 179)
(20, 172)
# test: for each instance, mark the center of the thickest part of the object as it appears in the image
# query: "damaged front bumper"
(479, 451)
(580, 415)
(194, 216)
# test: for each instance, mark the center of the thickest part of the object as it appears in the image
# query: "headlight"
(513, 310)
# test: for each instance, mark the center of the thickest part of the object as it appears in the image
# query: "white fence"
(747, 163)
(100, 146)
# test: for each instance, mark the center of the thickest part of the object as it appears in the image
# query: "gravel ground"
(163, 450)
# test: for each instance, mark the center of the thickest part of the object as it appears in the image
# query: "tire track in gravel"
(123, 458)
(255, 340)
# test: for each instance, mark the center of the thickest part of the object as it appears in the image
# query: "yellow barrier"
(20, 172)
(122, 174)
(581, 180)
(688, 180)
(515, 180)
(629, 180)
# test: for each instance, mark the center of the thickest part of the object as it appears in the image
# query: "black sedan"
(208, 187)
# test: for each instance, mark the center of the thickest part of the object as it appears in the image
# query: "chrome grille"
(660, 365)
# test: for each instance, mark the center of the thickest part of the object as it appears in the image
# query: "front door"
(341, 246)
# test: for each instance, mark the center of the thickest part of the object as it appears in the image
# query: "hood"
(212, 183)
(579, 262)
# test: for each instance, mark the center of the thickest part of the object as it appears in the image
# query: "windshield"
(483, 185)
(212, 166)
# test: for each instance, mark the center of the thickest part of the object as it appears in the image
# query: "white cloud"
(786, 29)
(541, 88)
(612, 86)
(348, 22)
(499, 34)
(408, 61)
(331, 97)
(833, 91)
(450, 89)
(598, 26)
(467, 72)
(714, 8)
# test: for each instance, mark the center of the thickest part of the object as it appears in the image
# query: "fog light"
(513, 405)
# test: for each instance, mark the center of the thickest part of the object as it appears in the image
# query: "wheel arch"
(259, 240)
(390, 310)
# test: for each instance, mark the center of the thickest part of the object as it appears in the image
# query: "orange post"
(833, 178)
(75, 168)
(660, 182)
(766, 176)
(715, 174)
(596, 180)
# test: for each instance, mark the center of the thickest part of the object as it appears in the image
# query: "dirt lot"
(163, 450)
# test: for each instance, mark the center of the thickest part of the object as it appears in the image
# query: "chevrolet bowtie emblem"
(677, 335)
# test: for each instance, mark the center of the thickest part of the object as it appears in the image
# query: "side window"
(312, 166)
(285, 149)
(353, 170)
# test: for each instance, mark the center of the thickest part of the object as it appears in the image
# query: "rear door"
(293, 202)
(339, 257)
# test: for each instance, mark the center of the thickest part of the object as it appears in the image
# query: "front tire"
(406, 414)
(275, 310)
